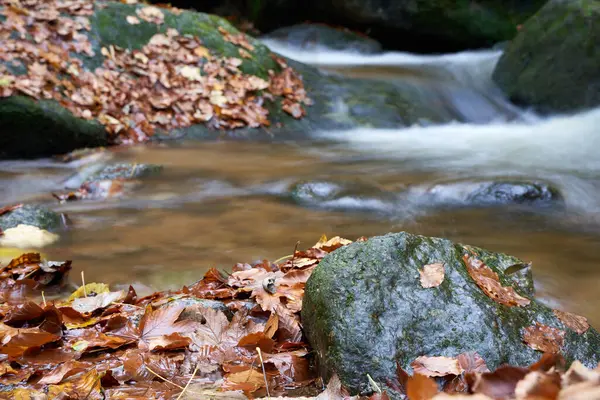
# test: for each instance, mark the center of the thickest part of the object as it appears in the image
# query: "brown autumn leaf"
(538, 385)
(489, 282)
(15, 341)
(7, 209)
(421, 387)
(573, 321)
(472, 362)
(151, 14)
(160, 328)
(262, 284)
(499, 384)
(23, 313)
(432, 275)
(436, 366)
(85, 384)
(544, 338)
(247, 381)
(63, 371)
(291, 364)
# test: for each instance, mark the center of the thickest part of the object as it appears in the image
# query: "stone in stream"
(33, 215)
(42, 128)
(308, 36)
(554, 62)
(489, 193)
(345, 196)
(364, 309)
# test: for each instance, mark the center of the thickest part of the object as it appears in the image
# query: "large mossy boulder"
(434, 25)
(365, 310)
(554, 62)
(42, 128)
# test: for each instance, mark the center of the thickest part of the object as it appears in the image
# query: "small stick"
(262, 363)
(164, 379)
(44, 299)
(83, 282)
(188, 382)
(294, 255)
(283, 258)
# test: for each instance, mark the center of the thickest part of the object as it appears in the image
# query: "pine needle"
(44, 299)
(188, 383)
(262, 363)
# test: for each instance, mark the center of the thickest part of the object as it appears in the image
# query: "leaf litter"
(112, 344)
(172, 82)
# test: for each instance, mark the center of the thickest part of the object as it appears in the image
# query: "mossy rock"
(126, 171)
(433, 25)
(554, 62)
(364, 309)
(307, 36)
(31, 215)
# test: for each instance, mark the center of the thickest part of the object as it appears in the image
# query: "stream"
(219, 203)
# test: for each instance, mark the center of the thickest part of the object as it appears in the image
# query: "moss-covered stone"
(126, 171)
(364, 310)
(309, 36)
(554, 62)
(32, 129)
(31, 215)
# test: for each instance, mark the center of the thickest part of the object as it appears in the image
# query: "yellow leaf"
(88, 289)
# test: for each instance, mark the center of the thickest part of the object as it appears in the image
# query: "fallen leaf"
(421, 387)
(436, 366)
(151, 14)
(499, 384)
(544, 338)
(573, 321)
(132, 20)
(538, 385)
(489, 282)
(159, 327)
(432, 275)
(92, 303)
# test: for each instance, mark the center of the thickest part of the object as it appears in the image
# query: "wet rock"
(126, 171)
(349, 196)
(364, 309)
(554, 62)
(491, 193)
(43, 128)
(308, 36)
(32, 215)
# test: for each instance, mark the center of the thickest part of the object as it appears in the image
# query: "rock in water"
(554, 62)
(365, 309)
(309, 36)
(31, 215)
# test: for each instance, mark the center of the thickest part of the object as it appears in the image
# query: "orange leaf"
(576, 322)
(432, 275)
(544, 338)
(421, 387)
(436, 366)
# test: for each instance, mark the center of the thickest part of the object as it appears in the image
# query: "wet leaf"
(573, 321)
(436, 366)
(15, 341)
(160, 328)
(92, 303)
(544, 338)
(91, 289)
(432, 275)
(489, 282)
(499, 384)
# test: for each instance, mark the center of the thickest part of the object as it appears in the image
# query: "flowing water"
(225, 202)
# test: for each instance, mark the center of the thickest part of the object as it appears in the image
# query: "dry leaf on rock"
(151, 14)
(489, 282)
(132, 20)
(573, 321)
(436, 366)
(432, 275)
(544, 338)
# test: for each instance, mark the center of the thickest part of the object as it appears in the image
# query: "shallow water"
(221, 203)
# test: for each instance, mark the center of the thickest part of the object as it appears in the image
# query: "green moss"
(31, 215)
(39, 128)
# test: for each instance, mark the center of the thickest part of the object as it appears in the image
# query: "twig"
(188, 382)
(44, 299)
(283, 258)
(294, 255)
(83, 283)
(164, 379)
(262, 363)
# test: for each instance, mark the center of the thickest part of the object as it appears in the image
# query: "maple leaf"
(262, 284)
(544, 338)
(159, 329)
(432, 275)
(489, 282)
(573, 321)
(436, 366)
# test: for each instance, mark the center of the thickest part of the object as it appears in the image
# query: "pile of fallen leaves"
(230, 335)
(172, 82)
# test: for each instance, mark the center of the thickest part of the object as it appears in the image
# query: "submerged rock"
(490, 193)
(338, 196)
(308, 36)
(554, 62)
(37, 216)
(365, 309)
(126, 171)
